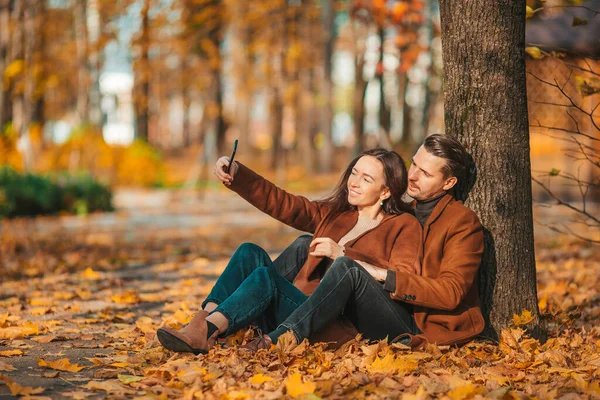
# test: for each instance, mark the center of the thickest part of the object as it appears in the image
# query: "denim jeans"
(348, 289)
(254, 289)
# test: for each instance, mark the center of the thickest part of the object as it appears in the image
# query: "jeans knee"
(264, 275)
(302, 242)
(250, 250)
(342, 265)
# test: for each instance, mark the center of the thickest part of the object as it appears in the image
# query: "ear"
(449, 183)
(385, 194)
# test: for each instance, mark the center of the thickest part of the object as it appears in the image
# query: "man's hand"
(326, 247)
(221, 167)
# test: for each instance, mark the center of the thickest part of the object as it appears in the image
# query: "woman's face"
(366, 183)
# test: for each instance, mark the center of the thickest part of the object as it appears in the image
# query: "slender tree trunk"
(81, 42)
(326, 151)
(384, 113)
(407, 139)
(4, 61)
(360, 92)
(141, 98)
(486, 109)
(28, 102)
(16, 53)
(221, 124)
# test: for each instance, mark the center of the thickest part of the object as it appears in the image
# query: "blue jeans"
(254, 289)
(348, 289)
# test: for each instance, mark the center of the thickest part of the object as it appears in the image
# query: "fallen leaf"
(295, 387)
(11, 353)
(18, 390)
(62, 364)
(90, 274)
(51, 374)
(523, 319)
(259, 379)
(44, 338)
(6, 367)
(127, 379)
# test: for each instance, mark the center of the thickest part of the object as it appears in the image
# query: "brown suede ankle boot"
(191, 339)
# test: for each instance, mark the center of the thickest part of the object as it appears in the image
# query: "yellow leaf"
(45, 338)
(90, 274)
(464, 392)
(41, 302)
(419, 395)
(295, 387)
(3, 318)
(109, 387)
(259, 379)
(392, 365)
(129, 297)
(62, 365)
(127, 379)
(14, 69)
(10, 353)
(145, 324)
(529, 12)
(523, 319)
(534, 52)
(18, 390)
(11, 333)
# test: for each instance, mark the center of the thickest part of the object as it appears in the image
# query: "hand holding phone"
(223, 167)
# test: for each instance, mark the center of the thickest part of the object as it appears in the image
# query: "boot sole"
(173, 343)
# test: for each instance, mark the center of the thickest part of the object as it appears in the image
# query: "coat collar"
(437, 211)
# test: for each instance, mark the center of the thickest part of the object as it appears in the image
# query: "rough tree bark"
(486, 110)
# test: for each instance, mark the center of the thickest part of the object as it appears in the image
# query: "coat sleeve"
(462, 251)
(295, 211)
(406, 251)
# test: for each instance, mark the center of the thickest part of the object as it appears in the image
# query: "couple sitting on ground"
(375, 265)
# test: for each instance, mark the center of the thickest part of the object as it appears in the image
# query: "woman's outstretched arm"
(295, 211)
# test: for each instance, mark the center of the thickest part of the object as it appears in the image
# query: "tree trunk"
(486, 110)
(141, 98)
(221, 124)
(326, 150)
(4, 61)
(81, 42)
(384, 113)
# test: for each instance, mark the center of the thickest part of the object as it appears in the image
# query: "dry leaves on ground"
(90, 320)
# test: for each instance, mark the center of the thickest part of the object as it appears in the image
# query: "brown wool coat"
(445, 297)
(396, 243)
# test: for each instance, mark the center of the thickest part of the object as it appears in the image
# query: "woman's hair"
(396, 179)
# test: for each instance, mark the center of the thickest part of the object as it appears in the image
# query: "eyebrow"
(364, 173)
(413, 161)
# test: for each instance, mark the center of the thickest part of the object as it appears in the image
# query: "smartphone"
(232, 156)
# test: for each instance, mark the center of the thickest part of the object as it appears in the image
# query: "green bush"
(30, 194)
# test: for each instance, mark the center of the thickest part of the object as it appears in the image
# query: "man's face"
(425, 177)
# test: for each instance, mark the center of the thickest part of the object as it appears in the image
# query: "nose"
(413, 175)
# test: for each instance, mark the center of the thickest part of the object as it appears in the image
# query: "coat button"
(414, 297)
(404, 296)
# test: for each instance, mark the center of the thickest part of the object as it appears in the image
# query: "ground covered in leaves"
(81, 299)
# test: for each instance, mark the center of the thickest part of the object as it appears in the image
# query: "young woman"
(362, 230)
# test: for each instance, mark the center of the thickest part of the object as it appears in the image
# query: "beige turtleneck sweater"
(363, 224)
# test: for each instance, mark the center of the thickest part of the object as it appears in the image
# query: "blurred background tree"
(151, 92)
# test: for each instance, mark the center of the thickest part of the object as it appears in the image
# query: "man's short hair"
(451, 150)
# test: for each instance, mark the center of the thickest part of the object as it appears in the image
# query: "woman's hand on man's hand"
(221, 167)
(326, 247)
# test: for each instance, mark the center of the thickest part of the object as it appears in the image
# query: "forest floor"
(82, 297)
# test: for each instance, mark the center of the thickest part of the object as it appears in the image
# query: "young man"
(445, 297)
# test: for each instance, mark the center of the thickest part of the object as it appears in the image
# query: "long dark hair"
(396, 179)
